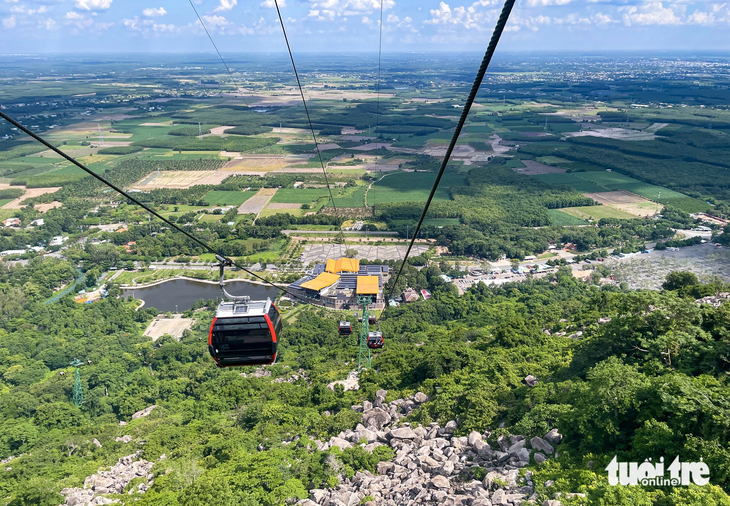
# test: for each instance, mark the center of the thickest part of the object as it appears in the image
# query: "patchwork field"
(600, 182)
(257, 203)
(181, 179)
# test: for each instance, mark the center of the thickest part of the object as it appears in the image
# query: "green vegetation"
(230, 143)
(227, 198)
(560, 218)
(120, 150)
(596, 213)
(412, 187)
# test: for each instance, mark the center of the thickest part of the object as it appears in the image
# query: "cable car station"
(338, 284)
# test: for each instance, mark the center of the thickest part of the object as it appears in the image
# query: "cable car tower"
(78, 392)
(364, 331)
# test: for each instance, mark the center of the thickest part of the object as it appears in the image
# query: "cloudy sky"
(351, 25)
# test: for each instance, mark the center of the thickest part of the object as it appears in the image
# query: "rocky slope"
(432, 465)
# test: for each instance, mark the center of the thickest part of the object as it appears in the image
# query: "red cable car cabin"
(245, 333)
(345, 328)
(375, 340)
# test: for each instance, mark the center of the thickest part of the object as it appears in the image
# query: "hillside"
(618, 373)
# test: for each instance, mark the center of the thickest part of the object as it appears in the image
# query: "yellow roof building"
(342, 265)
(368, 285)
(321, 282)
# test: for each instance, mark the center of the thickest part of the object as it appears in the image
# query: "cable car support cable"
(496, 35)
(380, 53)
(309, 119)
(123, 193)
(219, 53)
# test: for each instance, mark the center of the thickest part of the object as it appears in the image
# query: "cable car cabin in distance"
(375, 340)
(245, 333)
(372, 319)
(345, 328)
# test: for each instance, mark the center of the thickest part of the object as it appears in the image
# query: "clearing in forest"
(29, 193)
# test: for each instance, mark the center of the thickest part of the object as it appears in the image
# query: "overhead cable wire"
(309, 119)
(380, 53)
(124, 194)
(496, 35)
(230, 74)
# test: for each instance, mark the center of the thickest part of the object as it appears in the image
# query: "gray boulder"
(403, 433)
(519, 445)
(376, 417)
(539, 457)
(144, 412)
(446, 469)
(440, 482)
(523, 455)
(420, 397)
(474, 436)
(553, 437)
(499, 498)
(340, 443)
(531, 380)
(540, 444)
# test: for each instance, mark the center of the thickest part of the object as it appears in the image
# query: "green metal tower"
(78, 392)
(364, 330)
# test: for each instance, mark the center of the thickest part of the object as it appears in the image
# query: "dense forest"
(633, 374)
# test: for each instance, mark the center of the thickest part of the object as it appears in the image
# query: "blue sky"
(351, 25)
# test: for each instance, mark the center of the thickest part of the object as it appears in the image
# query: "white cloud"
(269, 4)
(603, 19)
(21, 9)
(226, 5)
(49, 24)
(328, 10)
(216, 21)
(93, 5)
(9, 22)
(653, 13)
(154, 12)
(543, 3)
(366, 20)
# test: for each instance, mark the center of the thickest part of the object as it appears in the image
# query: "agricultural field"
(596, 213)
(412, 187)
(227, 198)
(559, 218)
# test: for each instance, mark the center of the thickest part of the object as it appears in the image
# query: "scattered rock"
(123, 439)
(113, 481)
(340, 443)
(540, 444)
(377, 418)
(403, 433)
(96, 442)
(539, 457)
(144, 412)
(122, 424)
(351, 383)
(440, 482)
(530, 380)
(420, 397)
(553, 437)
